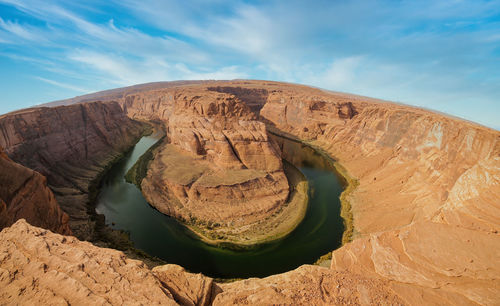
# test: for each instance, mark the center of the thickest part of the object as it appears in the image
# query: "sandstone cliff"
(71, 146)
(24, 194)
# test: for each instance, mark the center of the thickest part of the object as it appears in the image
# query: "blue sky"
(443, 55)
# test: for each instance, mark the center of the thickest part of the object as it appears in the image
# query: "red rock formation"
(220, 166)
(24, 194)
(70, 145)
(39, 267)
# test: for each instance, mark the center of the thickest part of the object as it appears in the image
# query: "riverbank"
(104, 235)
(139, 170)
(349, 182)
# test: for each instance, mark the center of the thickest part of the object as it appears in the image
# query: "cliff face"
(409, 162)
(70, 145)
(220, 166)
(24, 194)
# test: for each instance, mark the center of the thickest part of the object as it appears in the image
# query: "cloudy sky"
(443, 55)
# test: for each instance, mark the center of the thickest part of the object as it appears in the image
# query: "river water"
(159, 235)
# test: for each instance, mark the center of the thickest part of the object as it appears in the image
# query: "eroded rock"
(24, 194)
(220, 168)
(71, 146)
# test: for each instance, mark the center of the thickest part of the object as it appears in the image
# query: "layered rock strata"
(24, 194)
(219, 169)
(71, 146)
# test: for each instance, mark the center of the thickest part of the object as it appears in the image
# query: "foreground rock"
(443, 262)
(71, 146)
(220, 172)
(39, 267)
(24, 194)
(309, 285)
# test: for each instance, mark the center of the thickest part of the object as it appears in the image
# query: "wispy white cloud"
(124, 72)
(63, 85)
(24, 32)
(429, 53)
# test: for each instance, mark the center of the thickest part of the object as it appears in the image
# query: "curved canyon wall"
(71, 146)
(423, 178)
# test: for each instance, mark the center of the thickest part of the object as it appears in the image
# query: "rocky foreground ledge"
(40, 267)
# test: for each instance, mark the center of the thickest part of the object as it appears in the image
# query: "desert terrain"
(422, 208)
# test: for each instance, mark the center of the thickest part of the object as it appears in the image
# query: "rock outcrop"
(220, 167)
(24, 195)
(71, 146)
(39, 267)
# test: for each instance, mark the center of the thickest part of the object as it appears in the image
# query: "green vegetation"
(346, 209)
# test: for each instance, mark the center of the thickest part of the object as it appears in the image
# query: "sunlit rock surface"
(219, 167)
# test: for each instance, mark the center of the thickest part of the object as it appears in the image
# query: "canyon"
(70, 146)
(422, 209)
